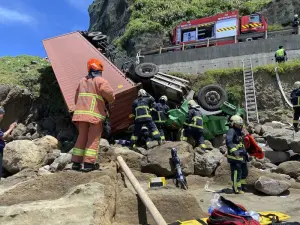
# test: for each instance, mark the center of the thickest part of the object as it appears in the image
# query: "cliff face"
(147, 24)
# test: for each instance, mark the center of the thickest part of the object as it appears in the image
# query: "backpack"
(219, 218)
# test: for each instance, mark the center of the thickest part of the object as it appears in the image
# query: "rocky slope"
(147, 24)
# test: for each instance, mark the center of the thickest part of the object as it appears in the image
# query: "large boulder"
(90, 203)
(206, 164)
(270, 186)
(158, 160)
(295, 144)
(279, 139)
(291, 168)
(21, 154)
(61, 162)
(20, 130)
(173, 203)
(277, 157)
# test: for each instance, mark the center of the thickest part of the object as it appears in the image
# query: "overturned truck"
(69, 53)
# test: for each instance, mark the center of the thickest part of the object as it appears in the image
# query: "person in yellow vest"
(280, 55)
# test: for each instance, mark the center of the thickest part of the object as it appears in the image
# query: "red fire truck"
(219, 26)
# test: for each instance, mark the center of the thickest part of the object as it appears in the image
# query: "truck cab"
(253, 23)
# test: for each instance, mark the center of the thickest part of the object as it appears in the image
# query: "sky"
(25, 23)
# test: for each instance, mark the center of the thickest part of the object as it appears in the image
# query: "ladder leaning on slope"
(249, 89)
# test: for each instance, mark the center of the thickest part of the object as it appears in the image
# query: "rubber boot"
(76, 166)
(244, 188)
(88, 167)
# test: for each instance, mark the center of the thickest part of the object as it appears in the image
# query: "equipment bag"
(219, 218)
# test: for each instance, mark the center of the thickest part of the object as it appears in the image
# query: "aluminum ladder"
(249, 89)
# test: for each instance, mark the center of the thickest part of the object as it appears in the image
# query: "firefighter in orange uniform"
(90, 112)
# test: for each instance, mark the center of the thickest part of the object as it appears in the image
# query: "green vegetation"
(275, 27)
(232, 79)
(163, 15)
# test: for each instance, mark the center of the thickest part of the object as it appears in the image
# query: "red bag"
(219, 218)
(252, 147)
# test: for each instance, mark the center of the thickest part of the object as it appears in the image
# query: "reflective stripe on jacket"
(295, 98)
(141, 109)
(235, 145)
(90, 100)
(159, 112)
(194, 118)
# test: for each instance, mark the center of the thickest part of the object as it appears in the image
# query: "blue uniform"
(193, 126)
(141, 111)
(159, 113)
(2, 145)
(295, 99)
(237, 157)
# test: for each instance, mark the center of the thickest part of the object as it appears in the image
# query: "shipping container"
(68, 55)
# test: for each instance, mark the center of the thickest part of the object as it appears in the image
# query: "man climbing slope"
(90, 113)
(280, 55)
(295, 99)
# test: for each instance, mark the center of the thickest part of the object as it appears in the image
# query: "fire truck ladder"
(249, 88)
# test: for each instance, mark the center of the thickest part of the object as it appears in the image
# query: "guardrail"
(212, 41)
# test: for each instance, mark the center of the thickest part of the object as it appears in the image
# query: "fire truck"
(220, 26)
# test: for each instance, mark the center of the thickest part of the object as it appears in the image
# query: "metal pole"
(142, 194)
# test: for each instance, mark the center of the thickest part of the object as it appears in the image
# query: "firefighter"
(295, 99)
(159, 114)
(295, 21)
(280, 55)
(193, 125)
(237, 155)
(142, 117)
(92, 94)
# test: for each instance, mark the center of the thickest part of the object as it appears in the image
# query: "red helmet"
(94, 65)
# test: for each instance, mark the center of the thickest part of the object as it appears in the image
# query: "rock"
(270, 186)
(199, 150)
(44, 171)
(51, 156)
(152, 144)
(257, 129)
(168, 200)
(223, 149)
(277, 157)
(265, 129)
(35, 136)
(23, 154)
(61, 162)
(291, 168)
(260, 140)
(104, 143)
(219, 141)
(158, 161)
(271, 166)
(20, 130)
(206, 164)
(92, 203)
(32, 128)
(295, 144)
(140, 150)
(258, 165)
(279, 139)
(208, 144)
(47, 143)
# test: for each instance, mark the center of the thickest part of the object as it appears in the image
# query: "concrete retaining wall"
(227, 56)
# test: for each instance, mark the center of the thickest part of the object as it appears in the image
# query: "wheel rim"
(212, 97)
(147, 70)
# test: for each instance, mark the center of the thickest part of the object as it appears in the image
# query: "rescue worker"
(193, 125)
(280, 55)
(159, 114)
(90, 113)
(295, 99)
(295, 21)
(237, 155)
(142, 117)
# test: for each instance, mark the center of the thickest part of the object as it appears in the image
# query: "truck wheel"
(146, 70)
(100, 38)
(212, 97)
(94, 34)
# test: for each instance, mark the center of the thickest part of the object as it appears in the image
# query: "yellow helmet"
(236, 120)
(192, 103)
(296, 85)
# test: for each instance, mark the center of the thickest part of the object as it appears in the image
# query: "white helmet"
(144, 128)
(142, 92)
(192, 103)
(296, 15)
(164, 98)
(236, 120)
(296, 85)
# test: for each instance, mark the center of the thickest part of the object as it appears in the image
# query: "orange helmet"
(94, 65)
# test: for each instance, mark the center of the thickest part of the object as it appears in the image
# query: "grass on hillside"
(232, 79)
(163, 15)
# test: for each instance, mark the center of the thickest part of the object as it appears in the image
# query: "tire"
(100, 38)
(146, 70)
(212, 97)
(94, 34)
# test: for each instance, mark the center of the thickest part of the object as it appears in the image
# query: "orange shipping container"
(68, 55)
